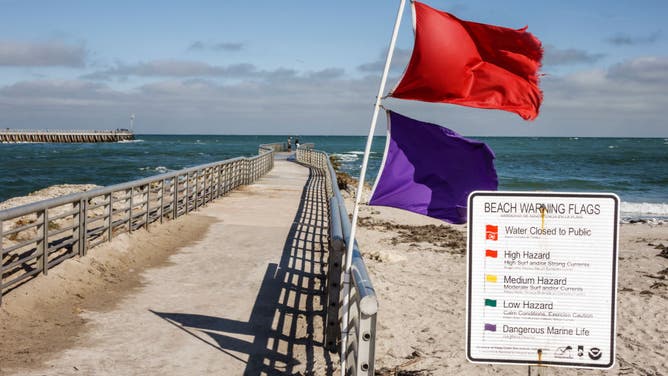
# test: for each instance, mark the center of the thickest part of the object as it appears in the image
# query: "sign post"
(542, 278)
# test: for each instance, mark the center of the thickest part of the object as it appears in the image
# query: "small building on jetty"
(64, 136)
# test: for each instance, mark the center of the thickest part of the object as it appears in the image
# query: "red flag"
(472, 64)
(491, 253)
(491, 232)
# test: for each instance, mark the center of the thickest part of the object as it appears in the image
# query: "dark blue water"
(635, 169)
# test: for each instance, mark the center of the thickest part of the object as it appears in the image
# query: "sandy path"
(245, 299)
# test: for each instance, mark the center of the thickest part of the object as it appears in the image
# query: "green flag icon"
(490, 302)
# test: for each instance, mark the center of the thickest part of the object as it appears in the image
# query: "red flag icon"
(491, 253)
(472, 64)
(492, 232)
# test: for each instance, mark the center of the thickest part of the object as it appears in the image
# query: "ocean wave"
(159, 169)
(644, 209)
(346, 157)
(129, 141)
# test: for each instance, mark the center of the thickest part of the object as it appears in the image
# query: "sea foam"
(644, 209)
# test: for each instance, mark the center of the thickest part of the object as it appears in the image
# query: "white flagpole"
(360, 188)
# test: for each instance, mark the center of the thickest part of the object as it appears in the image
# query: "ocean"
(636, 169)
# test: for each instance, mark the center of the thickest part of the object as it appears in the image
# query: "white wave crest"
(159, 169)
(644, 209)
(348, 157)
(129, 141)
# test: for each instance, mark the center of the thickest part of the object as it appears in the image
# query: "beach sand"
(418, 269)
(417, 265)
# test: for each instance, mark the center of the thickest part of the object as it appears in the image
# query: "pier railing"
(64, 136)
(36, 237)
(363, 304)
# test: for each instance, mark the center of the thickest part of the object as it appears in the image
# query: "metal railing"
(64, 131)
(36, 237)
(363, 307)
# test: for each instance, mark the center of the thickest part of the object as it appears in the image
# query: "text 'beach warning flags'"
(472, 64)
(431, 170)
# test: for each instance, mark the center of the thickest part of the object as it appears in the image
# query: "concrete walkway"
(245, 300)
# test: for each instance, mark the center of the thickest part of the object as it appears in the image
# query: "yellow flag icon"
(490, 278)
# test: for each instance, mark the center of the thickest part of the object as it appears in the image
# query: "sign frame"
(614, 277)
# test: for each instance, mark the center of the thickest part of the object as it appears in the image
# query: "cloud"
(41, 54)
(227, 46)
(556, 56)
(196, 46)
(173, 68)
(650, 71)
(628, 99)
(193, 69)
(631, 40)
(400, 60)
(220, 46)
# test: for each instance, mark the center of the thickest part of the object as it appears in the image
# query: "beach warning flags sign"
(472, 64)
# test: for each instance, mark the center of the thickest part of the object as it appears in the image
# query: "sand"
(418, 268)
(417, 265)
(48, 314)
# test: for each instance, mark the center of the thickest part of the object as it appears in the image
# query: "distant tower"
(132, 122)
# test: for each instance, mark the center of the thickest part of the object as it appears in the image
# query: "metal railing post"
(82, 227)
(110, 220)
(76, 223)
(207, 194)
(187, 192)
(218, 187)
(148, 206)
(197, 191)
(175, 197)
(132, 193)
(162, 200)
(334, 274)
(45, 241)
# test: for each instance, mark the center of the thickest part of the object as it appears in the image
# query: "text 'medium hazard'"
(542, 278)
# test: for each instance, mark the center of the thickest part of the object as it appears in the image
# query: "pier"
(259, 293)
(65, 136)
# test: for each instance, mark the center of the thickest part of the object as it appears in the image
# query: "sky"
(313, 67)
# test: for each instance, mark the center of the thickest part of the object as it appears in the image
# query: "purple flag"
(431, 170)
(490, 327)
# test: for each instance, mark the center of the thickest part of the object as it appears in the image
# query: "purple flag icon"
(490, 327)
(431, 170)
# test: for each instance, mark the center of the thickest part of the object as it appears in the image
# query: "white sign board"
(542, 278)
